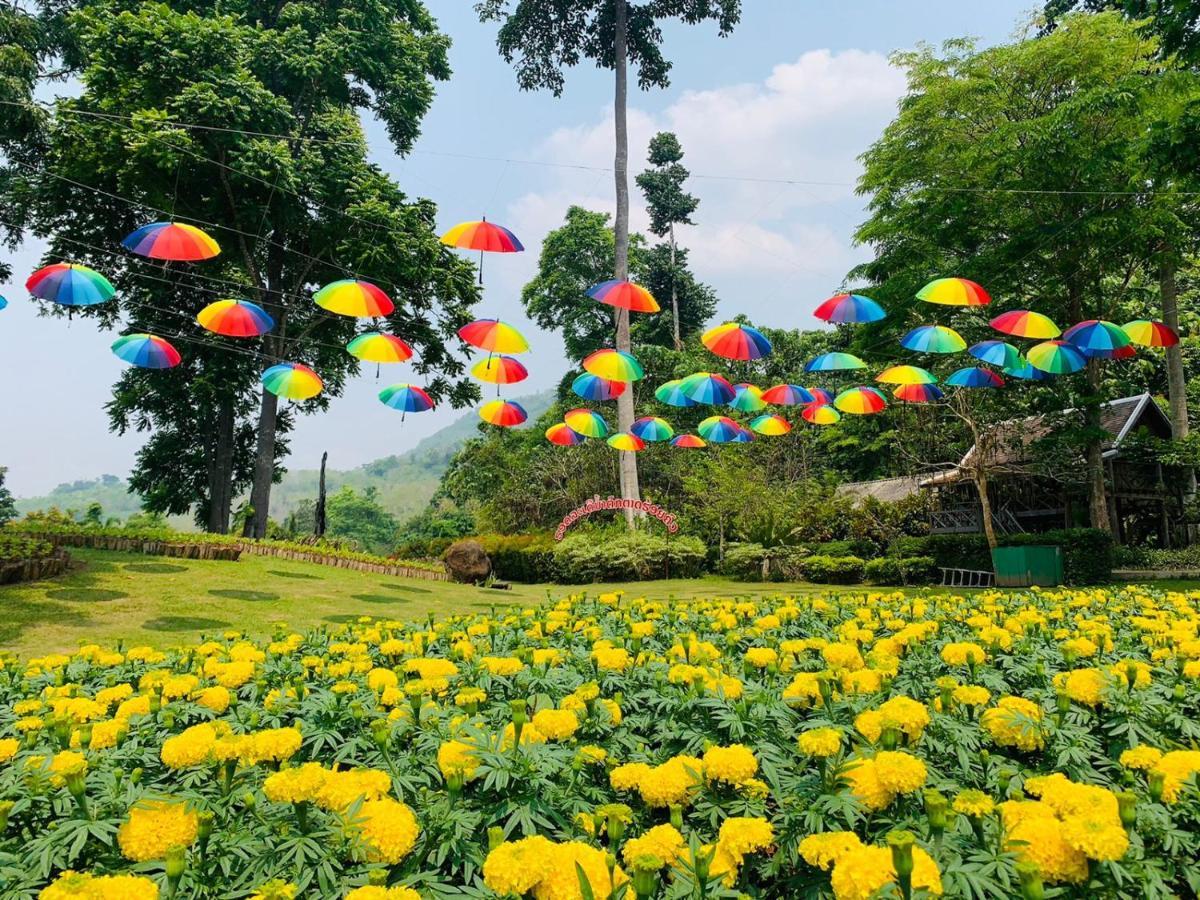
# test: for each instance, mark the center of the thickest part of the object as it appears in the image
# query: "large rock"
(467, 562)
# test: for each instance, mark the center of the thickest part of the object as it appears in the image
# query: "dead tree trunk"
(319, 513)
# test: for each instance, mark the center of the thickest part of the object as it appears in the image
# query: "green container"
(1027, 565)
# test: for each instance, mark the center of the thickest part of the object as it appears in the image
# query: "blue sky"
(795, 93)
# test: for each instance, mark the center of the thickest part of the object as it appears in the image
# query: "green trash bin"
(1027, 565)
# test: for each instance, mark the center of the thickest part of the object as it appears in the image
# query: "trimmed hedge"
(895, 570)
(637, 556)
(1087, 552)
(833, 569)
(1184, 558)
(744, 562)
(527, 558)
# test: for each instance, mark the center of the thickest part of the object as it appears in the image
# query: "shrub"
(885, 570)
(1150, 558)
(636, 556)
(902, 570)
(744, 562)
(833, 569)
(520, 557)
(851, 547)
(786, 563)
(955, 551)
(1087, 552)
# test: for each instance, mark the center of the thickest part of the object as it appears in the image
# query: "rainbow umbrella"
(719, 429)
(705, 387)
(998, 353)
(172, 241)
(505, 413)
(747, 398)
(500, 370)
(624, 295)
(484, 236)
(975, 377)
(615, 365)
(1095, 337)
(1147, 333)
(744, 435)
(1024, 371)
(834, 362)
(848, 308)
(905, 375)
(688, 441)
(69, 284)
(671, 393)
(821, 414)
(735, 341)
(560, 433)
(3, 302)
(1056, 357)
(933, 339)
(860, 401)
(588, 423)
(1023, 323)
(147, 351)
(493, 336)
(593, 387)
(406, 398)
(652, 428)
(292, 381)
(377, 347)
(357, 299)
(630, 443)
(235, 318)
(771, 425)
(821, 397)
(787, 395)
(918, 393)
(954, 292)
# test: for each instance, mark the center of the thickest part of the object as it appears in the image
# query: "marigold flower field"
(999, 745)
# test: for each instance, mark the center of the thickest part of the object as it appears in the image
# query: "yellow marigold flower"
(842, 656)
(1014, 812)
(191, 747)
(70, 885)
(515, 867)
(1141, 672)
(661, 841)
(628, 777)
(275, 889)
(1096, 838)
(560, 880)
(387, 829)
(106, 734)
(1084, 686)
(863, 780)
(8, 748)
(133, 706)
(215, 698)
(29, 723)
(27, 707)
(375, 892)
(612, 659)
(971, 695)
(155, 826)
(431, 668)
(899, 772)
(761, 657)
(673, 783)
(529, 735)
(1142, 758)
(1040, 840)
(963, 654)
(1081, 647)
(741, 835)
(862, 871)
(910, 716)
(862, 681)
(272, 745)
(733, 765)
(65, 764)
(301, 784)
(590, 753)
(457, 758)
(641, 629)
(1014, 722)
(805, 688)
(974, 803)
(1177, 768)
(342, 789)
(822, 851)
(555, 724)
(502, 666)
(821, 742)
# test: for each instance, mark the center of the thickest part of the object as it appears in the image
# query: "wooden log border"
(36, 568)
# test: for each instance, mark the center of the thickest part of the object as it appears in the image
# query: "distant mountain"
(109, 491)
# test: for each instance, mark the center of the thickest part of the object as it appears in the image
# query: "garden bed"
(29, 559)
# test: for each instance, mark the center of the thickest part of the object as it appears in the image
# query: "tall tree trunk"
(319, 514)
(220, 480)
(1096, 483)
(264, 465)
(674, 295)
(985, 507)
(1176, 384)
(629, 472)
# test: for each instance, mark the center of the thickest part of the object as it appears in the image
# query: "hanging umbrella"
(588, 423)
(1056, 357)
(707, 388)
(504, 413)
(735, 341)
(292, 381)
(1026, 372)
(787, 395)
(563, 435)
(630, 443)
(954, 292)
(821, 397)
(747, 398)
(688, 441)
(3, 302)
(147, 351)
(652, 428)
(357, 299)
(905, 375)
(719, 429)
(975, 377)
(771, 425)
(998, 353)
(821, 414)
(744, 435)
(624, 295)
(1095, 337)
(406, 398)
(69, 284)
(615, 365)
(172, 241)
(1121, 353)
(593, 387)
(235, 318)
(500, 370)
(860, 401)
(933, 339)
(671, 393)
(1023, 323)
(918, 393)
(377, 347)
(483, 236)
(1148, 333)
(493, 336)
(834, 362)
(849, 308)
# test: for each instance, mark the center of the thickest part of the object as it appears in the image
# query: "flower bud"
(1031, 881)
(5, 808)
(677, 817)
(1157, 782)
(176, 863)
(901, 843)
(495, 837)
(1127, 807)
(377, 877)
(381, 733)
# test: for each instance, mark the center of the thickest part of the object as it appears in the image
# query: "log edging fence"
(35, 568)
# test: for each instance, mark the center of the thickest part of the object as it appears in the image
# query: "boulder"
(467, 562)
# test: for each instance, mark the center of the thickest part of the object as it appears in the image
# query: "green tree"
(351, 516)
(1176, 23)
(8, 507)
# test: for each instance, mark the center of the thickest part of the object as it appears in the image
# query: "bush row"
(1087, 552)
(15, 548)
(1152, 558)
(584, 558)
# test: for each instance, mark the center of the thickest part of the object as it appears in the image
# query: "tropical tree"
(1176, 23)
(8, 507)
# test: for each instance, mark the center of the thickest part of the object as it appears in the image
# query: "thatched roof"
(887, 489)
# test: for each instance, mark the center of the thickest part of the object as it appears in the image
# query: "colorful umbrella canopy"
(744, 435)
(771, 425)
(292, 381)
(821, 397)
(860, 401)
(849, 308)
(834, 362)
(1148, 333)
(905, 375)
(624, 295)
(235, 318)
(563, 435)
(747, 398)
(998, 353)
(975, 377)
(504, 413)
(1095, 337)
(652, 428)
(147, 351)
(688, 441)
(172, 241)
(719, 429)
(358, 299)
(482, 235)
(615, 365)
(933, 339)
(69, 284)
(500, 370)
(586, 422)
(406, 398)
(1023, 323)
(918, 393)
(1120, 353)
(377, 347)
(671, 393)
(3, 302)
(493, 336)
(593, 387)
(705, 387)
(1026, 372)
(954, 292)
(630, 443)
(1056, 357)
(735, 341)
(821, 414)
(787, 395)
